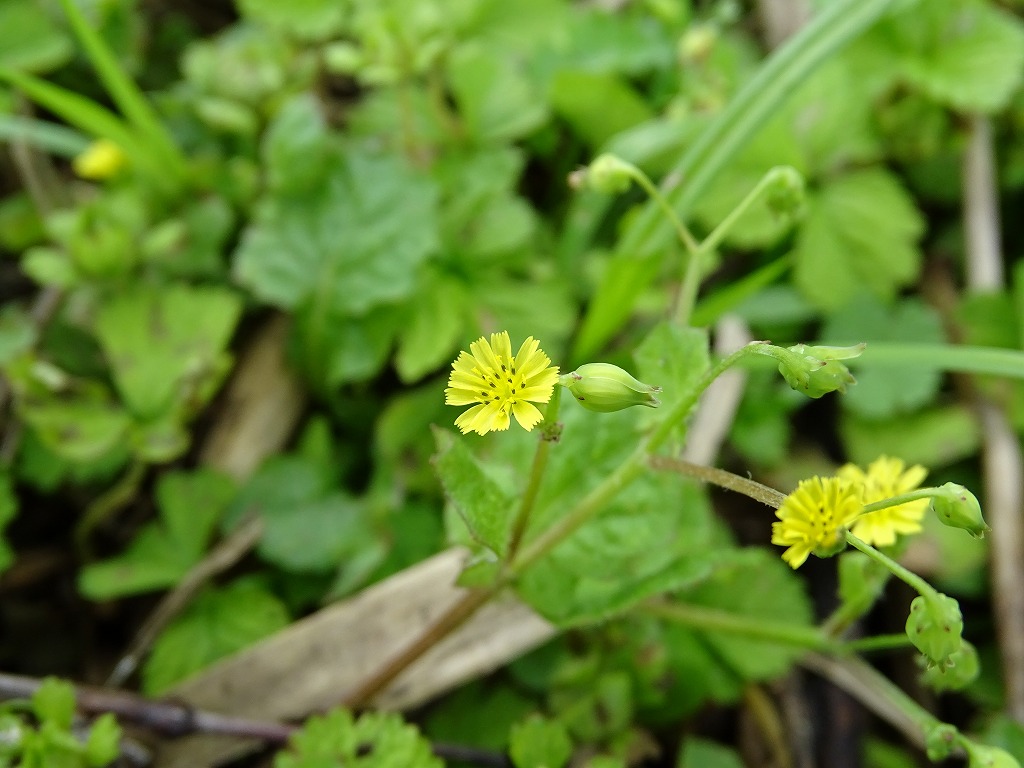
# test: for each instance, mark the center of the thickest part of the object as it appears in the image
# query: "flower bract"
(499, 385)
(813, 517)
(887, 477)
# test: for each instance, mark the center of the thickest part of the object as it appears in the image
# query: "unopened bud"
(940, 741)
(935, 627)
(816, 371)
(982, 756)
(609, 174)
(785, 192)
(959, 508)
(960, 670)
(603, 387)
(697, 42)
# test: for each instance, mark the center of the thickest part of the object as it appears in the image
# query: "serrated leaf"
(78, 431)
(164, 551)
(166, 344)
(481, 502)
(431, 334)
(375, 740)
(860, 232)
(674, 358)
(539, 743)
(884, 392)
(29, 38)
(218, 623)
(968, 54)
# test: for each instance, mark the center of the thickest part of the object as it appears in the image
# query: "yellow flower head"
(498, 385)
(100, 160)
(887, 477)
(813, 517)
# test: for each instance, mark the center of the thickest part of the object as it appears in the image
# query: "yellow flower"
(812, 518)
(886, 477)
(498, 385)
(100, 160)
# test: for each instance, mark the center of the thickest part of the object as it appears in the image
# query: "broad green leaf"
(539, 743)
(296, 147)
(166, 345)
(479, 714)
(335, 348)
(968, 54)
(29, 38)
(306, 19)
(317, 535)
(480, 500)
(673, 358)
(885, 392)
(17, 332)
(655, 536)
(934, 437)
(164, 551)
(8, 510)
(597, 106)
(860, 232)
(78, 431)
(54, 702)
(496, 100)
(344, 246)
(103, 744)
(375, 740)
(702, 753)
(861, 581)
(219, 622)
(432, 331)
(761, 430)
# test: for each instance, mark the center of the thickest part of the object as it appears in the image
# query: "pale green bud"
(935, 627)
(982, 756)
(603, 387)
(609, 174)
(697, 43)
(785, 192)
(816, 371)
(940, 741)
(959, 508)
(959, 671)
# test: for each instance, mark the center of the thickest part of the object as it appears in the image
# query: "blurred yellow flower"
(101, 160)
(887, 477)
(499, 385)
(813, 517)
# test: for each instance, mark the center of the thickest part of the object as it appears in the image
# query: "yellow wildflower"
(499, 385)
(887, 477)
(100, 160)
(813, 517)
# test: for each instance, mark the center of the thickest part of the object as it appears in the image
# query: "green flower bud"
(982, 756)
(959, 508)
(961, 669)
(609, 174)
(940, 741)
(785, 192)
(815, 371)
(603, 387)
(935, 627)
(697, 43)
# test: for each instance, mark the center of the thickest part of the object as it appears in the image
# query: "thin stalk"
(903, 498)
(722, 478)
(540, 463)
(654, 193)
(894, 641)
(106, 505)
(910, 578)
(714, 620)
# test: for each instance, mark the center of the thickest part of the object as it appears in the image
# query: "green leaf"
(483, 504)
(375, 740)
(218, 623)
(479, 714)
(166, 346)
(934, 437)
(887, 391)
(79, 431)
(54, 702)
(29, 39)
(316, 535)
(761, 431)
(305, 19)
(8, 511)
(496, 100)
(539, 743)
(702, 753)
(17, 332)
(658, 535)
(597, 106)
(103, 744)
(673, 358)
(968, 54)
(860, 232)
(432, 332)
(345, 246)
(164, 551)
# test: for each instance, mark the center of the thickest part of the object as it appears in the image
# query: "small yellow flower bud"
(101, 160)
(609, 174)
(959, 508)
(603, 387)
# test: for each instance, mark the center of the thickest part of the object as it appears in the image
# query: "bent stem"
(910, 578)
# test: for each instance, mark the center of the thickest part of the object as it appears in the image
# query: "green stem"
(712, 241)
(106, 505)
(715, 620)
(722, 478)
(548, 435)
(877, 643)
(903, 498)
(910, 578)
(654, 193)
